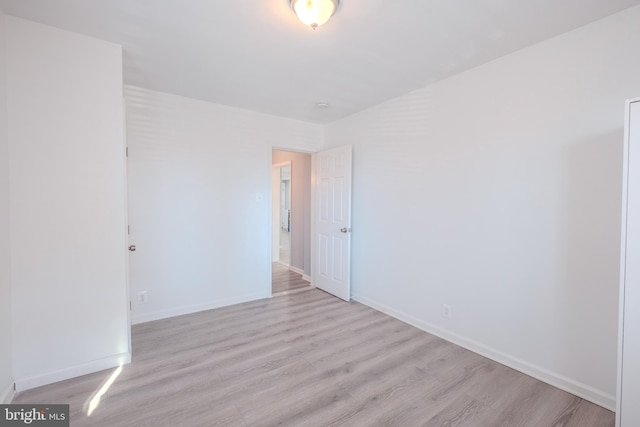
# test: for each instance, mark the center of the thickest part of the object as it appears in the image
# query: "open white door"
(331, 184)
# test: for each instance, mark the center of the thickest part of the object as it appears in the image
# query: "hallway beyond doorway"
(285, 281)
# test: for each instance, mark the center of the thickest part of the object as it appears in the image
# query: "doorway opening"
(291, 221)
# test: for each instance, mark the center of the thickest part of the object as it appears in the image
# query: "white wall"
(497, 191)
(300, 207)
(199, 200)
(6, 369)
(65, 132)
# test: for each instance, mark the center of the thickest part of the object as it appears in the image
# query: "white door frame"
(125, 144)
(628, 389)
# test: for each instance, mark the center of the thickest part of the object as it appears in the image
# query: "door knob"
(132, 248)
(345, 230)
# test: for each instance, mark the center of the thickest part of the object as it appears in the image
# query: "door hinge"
(128, 229)
(126, 150)
(130, 306)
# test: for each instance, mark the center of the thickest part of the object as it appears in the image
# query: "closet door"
(628, 411)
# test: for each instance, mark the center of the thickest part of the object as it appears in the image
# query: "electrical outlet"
(446, 311)
(142, 297)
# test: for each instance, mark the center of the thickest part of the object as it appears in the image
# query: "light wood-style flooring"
(285, 247)
(309, 359)
(285, 280)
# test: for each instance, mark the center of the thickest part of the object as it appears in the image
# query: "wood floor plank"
(535, 403)
(588, 413)
(464, 408)
(309, 359)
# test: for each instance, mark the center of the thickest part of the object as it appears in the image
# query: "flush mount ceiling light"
(314, 12)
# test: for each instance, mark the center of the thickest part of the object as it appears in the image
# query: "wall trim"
(190, 309)
(584, 391)
(296, 270)
(9, 393)
(73, 371)
(300, 272)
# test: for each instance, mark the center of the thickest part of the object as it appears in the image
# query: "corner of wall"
(7, 395)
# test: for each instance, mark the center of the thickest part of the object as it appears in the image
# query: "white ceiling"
(255, 54)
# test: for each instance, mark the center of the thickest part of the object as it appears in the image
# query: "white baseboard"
(73, 371)
(8, 394)
(301, 272)
(584, 391)
(179, 311)
(296, 270)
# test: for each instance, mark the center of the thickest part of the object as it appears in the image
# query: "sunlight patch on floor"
(95, 400)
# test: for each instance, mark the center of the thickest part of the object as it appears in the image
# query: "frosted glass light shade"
(314, 12)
